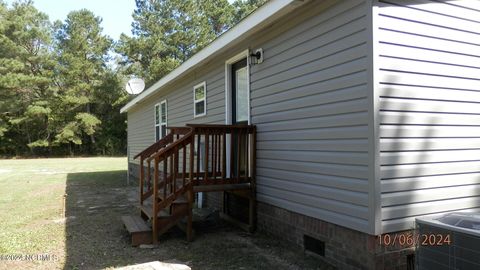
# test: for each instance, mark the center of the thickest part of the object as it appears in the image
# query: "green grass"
(31, 203)
(92, 234)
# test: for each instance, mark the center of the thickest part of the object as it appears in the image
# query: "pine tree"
(82, 55)
(26, 69)
(244, 7)
(168, 32)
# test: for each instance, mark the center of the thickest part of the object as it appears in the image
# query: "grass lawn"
(67, 211)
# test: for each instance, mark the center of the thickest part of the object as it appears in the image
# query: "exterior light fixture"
(256, 57)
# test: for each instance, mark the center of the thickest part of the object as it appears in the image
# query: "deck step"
(139, 231)
(147, 209)
(180, 199)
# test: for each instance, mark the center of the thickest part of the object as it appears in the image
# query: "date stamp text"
(414, 239)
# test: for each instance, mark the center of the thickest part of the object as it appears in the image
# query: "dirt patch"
(96, 239)
(90, 234)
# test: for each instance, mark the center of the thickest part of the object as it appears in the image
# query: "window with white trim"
(200, 99)
(160, 120)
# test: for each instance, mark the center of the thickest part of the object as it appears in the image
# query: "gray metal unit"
(463, 252)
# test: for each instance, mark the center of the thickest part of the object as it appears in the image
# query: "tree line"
(61, 83)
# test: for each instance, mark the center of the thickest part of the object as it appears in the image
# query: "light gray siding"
(309, 102)
(179, 107)
(428, 73)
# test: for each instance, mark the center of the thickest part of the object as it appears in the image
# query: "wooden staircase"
(191, 159)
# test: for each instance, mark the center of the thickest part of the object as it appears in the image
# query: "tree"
(82, 56)
(244, 7)
(26, 67)
(58, 89)
(168, 32)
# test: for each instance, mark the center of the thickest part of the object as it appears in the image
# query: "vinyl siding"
(428, 59)
(309, 102)
(179, 107)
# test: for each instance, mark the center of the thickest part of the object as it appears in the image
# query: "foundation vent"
(314, 245)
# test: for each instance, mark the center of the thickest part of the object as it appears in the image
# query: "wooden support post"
(198, 157)
(253, 183)
(238, 157)
(207, 148)
(141, 180)
(190, 169)
(245, 155)
(214, 156)
(165, 168)
(149, 174)
(184, 165)
(190, 213)
(224, 156)
(175, 169)
(232, 141)
(155, 204)
(254, 160)
(252, 206)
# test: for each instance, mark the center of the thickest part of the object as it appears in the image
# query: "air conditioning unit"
(448, 241)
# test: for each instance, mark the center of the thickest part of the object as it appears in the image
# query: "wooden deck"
(195, 158)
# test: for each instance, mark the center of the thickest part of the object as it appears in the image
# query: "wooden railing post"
(198, 157)
(184, 165)
(224, 156)
(239, 153)
(254, 158)
(149, 175)
(141, 180)
(214, 155)
(155, 203)
(232, 141)
(175, 169)
(191, 157)
(170, 179)
(246, 134)
(165, 168)
(207, 148)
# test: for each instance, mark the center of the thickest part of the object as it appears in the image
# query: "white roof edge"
(269, 11)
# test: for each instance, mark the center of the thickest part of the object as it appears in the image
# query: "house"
(365, 115)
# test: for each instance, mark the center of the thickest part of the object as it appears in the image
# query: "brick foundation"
(344, 248)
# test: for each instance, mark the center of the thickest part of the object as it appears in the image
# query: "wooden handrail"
(200, 128)
(209, 157)
(227, 158)
(179, 130)
(169, 138)
(177, 143)
(146, 178)
(155, 147)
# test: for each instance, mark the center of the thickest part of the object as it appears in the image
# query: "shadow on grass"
(96, 239)
(94, 204)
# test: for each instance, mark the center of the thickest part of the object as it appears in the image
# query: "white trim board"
(160, 123)
(228, 97)
(228, 84)
(263, 16)
(204, 99)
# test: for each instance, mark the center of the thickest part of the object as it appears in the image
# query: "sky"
(116, 14)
